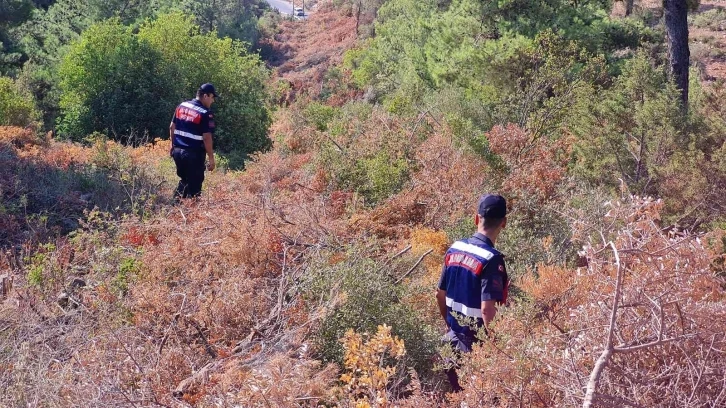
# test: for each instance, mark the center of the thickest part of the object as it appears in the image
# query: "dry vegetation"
(219, 301)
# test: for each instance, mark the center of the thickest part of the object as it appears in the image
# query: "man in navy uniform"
(474, 279)
(191, 132)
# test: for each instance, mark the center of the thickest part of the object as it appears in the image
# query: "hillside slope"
(244, 297)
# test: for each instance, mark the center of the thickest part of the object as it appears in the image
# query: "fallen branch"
(173, 322)
(208, 347)
(199, 376)
(414, 266)
(388, 261)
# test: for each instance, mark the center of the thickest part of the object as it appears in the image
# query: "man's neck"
(491, 234)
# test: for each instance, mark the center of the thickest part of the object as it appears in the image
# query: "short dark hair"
(491, 223)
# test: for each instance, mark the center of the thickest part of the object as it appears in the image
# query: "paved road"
(285, 7)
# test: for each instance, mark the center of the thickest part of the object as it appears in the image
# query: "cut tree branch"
(602, 361)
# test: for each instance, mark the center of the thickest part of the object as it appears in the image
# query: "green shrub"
(16, 107)
(114, 83)
(628, 131)
(362, 295)
(714, 19)
(376, 176)
(127, 269)
(191, 58)
(126, 84)
(383, 176)
(319, 115)
(40, 267)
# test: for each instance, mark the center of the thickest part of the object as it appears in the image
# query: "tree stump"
(6, 283)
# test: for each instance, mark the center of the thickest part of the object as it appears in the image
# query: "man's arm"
(441, 301)
(172, 128)
(492, 290)
(488, 311)
(208, 147)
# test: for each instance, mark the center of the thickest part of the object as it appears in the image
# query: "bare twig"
(208, 347)
(414, 266)
(173, 322)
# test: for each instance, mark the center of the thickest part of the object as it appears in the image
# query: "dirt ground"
(708, 44)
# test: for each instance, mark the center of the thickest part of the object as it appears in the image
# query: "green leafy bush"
(383, 175)
(376, 176)
(319, 115)
(111, 81)
(127, 85)
(714, 19)
(16, 108)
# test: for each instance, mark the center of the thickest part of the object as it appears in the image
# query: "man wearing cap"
(474, 279)
(191, 132)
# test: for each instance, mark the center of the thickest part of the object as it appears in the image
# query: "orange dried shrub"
(136, 237)
(310, 50)
(424, 240)
(446, 183)
(715, 242)
(535, 165)
(508, 370)
(231, 312)
(422, 284)
(554, 290)
(289, 132)
(366, 378)
(18, 137)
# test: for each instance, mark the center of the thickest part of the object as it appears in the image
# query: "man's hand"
(488, 310)
(210, 163)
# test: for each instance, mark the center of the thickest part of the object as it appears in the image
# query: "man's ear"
(477, 219)
(504, 223)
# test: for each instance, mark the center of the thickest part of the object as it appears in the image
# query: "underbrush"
(308, 279)
(362, 295)
(714, 19)
(48, 186)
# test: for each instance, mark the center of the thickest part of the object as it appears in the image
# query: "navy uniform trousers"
(190, 169)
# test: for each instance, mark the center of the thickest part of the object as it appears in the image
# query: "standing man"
(474, 280)
(191, 132)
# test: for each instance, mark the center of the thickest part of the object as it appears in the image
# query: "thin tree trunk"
(628, 7)
(677, 31)
(357, 17)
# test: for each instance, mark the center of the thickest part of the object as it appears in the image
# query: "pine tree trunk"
(628, 7)
(677, 31)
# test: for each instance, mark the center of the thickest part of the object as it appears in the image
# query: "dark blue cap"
(208, 89)
(492, 206)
